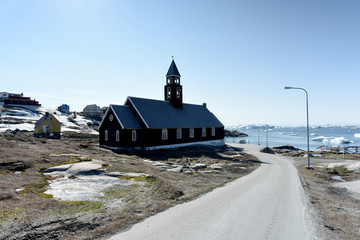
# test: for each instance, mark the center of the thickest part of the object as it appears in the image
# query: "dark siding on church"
(125, 135)
(154, 136)
(111, 127)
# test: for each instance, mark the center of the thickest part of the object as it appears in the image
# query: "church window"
(191, 132)
(213, 132)
(178, 133)
(106, 135)
(133, 135)
(177, 81)
(204, 132)
(111, 117)
(117, 135)
(168, 93)
(178, 92)
(164, 134)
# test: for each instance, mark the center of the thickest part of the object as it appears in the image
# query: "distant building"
(64, 108)
(92, 111)
(103, 110)
(5, 95)
(48, 126)
(151, 124)
(18, 100)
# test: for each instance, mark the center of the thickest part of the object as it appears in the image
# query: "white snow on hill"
(24, 120)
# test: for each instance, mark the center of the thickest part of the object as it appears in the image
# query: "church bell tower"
(173, 89)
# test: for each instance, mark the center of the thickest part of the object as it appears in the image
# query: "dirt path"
(266, 204)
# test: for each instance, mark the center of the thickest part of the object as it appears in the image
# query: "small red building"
(24, 102)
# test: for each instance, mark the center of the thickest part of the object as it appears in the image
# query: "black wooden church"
(151, 124)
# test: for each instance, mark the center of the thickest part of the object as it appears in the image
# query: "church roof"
(125, 116)
(161, 114)
(173, 71)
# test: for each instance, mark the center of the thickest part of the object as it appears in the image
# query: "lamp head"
(287, 87)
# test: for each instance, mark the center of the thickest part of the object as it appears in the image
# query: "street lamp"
(267, 137)
(307, 118)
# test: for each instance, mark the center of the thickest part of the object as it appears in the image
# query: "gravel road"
(269, 203)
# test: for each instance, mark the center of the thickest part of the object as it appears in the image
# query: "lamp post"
(267, 137)
(307, 122)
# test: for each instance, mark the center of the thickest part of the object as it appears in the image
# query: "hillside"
(73, 189)
(20, 119)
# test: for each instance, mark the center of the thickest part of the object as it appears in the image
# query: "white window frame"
(106, 135)
(168, 92)
(191, 133)
(111, 117)
(203, 132)
(179, 133)
(178, 92)
(117, 135)
(164, 134)
(213, 132)
(133, 135)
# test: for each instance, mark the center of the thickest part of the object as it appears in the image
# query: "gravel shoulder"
(336, 210)
(266, 204)
(155, 181)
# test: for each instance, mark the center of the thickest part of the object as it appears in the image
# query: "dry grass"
(30, 214)
(339, 211)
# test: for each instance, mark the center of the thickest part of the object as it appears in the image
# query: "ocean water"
(297, 137)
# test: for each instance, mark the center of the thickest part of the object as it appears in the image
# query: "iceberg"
(357, 135)
(338, 140)
(319, 139)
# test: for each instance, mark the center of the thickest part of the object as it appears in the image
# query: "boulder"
(177, 169)
(217, 166)
(267, 150)
(199, 166)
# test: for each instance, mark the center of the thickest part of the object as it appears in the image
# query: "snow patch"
(83, 181)
(349, 165)
(353, 187)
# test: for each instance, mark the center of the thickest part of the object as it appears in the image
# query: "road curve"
(266, 204)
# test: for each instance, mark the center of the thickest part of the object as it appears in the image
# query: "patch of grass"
(36, 188)
(72, 207)
(118, 192)
(45, 195)
(80, 158)
(340, 170)
(8, 214)
(140, 179)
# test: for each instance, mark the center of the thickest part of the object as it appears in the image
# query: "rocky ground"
(337, 207)
(149, 182)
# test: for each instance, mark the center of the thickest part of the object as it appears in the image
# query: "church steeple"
(173, 88)
(173, 70)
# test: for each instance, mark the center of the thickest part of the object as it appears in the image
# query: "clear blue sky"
(236, 56)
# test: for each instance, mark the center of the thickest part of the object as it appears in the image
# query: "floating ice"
(319, 139)
(357, 135)
(332, 140)
(338, 140)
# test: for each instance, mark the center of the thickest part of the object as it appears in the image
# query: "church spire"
(173, 88)
(173, 71)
